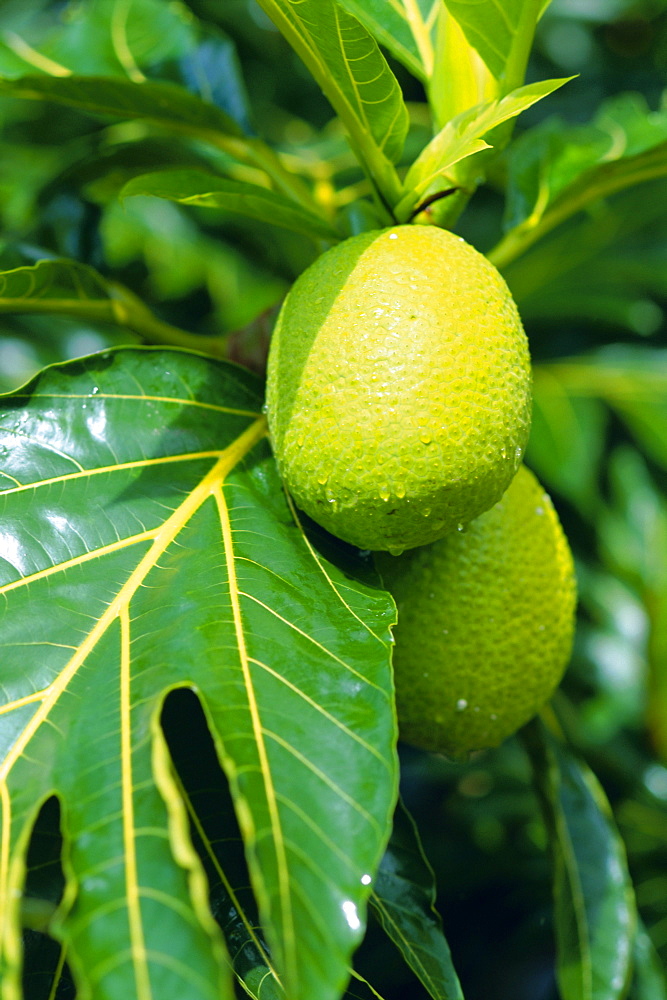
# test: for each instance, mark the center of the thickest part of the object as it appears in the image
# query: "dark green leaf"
(403, 899)
(147, 545)
(194, 187)
(161, 103)
(594, 906)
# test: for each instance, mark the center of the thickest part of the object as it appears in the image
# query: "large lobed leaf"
(147, 546)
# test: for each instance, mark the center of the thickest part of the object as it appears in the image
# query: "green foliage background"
(575, 214)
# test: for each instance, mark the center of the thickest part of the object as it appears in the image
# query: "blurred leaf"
(462, 137)
(567, 439)
(346, 62)
(67, 287)
(501, 33)
(406, 27)
(594, 906)
(632, 380)
(607, 267)
(147, 545)
(164, 104)
(194, 187)
(557, 169)
(633, 540)
(649, 977)
(102, 37)
(403, 899)
(213, 69)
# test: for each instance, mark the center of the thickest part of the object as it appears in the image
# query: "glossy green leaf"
(502, 33)
(558, 169)
(68, 288)
(407, 28)
(403, 898)
(146, 546)
(594, 907)
(463, 137)
(346, 62)
(194, 187)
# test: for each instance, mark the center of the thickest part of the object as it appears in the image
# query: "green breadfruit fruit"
(398, 392)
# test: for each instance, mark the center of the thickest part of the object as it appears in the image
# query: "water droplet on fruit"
(384, 492)
(399, 490)
(425, 437)
(426, 512)
(396, 550)
(323, 477)
(460, 527)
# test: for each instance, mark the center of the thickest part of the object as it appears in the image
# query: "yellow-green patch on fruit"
(398, 391)
(485, 623)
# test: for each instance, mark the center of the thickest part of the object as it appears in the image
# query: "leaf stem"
(123, 309)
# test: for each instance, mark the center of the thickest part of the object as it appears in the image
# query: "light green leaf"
(594, 907)
(463, 137)
(406, 27)
(502, 33)
(403, 899)
(346, 62)
(147, 546)
(194, 187)
(557, 170)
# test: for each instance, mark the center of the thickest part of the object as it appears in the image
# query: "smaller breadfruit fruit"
(485, 624)
(399, 387)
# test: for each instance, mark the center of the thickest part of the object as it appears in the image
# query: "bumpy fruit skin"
(399, 387)
(485, 624)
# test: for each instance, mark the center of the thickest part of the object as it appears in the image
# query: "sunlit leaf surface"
(351, 70)
(494, 29)
(147, 545)
(405, 27)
